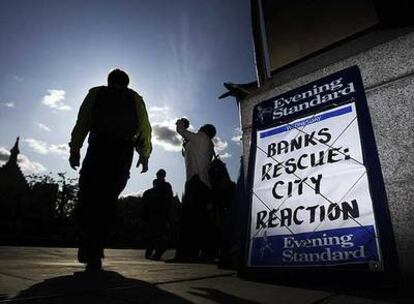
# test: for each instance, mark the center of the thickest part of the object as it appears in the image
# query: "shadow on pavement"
(219, 296)
(369, 285)
(97, 287)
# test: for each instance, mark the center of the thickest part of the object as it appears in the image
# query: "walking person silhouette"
(116, 120)
(197, 238)
(157, 205)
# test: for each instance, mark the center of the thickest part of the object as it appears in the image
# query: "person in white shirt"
(197, 232)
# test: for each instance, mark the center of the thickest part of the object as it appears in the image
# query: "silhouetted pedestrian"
(161, 175)
(157, 204)
(116, 120)
(198, 238)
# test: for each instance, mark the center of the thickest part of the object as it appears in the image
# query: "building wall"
(386, 61)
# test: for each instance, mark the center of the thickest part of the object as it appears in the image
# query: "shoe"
(94, 265)
(154, 258)
(148, 254)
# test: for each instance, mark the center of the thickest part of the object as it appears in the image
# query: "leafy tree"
(67, 193)
(33, 179)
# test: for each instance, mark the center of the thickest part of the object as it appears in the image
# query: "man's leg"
(90, 247)
(115, 177)
(188, 237)
(87, 220)
(208, 230)
(100, 183)
(161, 239)
(159, 252)
(149, 251)
(149, 241)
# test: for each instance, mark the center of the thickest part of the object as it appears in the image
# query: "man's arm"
(83, 123)
(81, 128)
(180, 128)
(143, 144)
(169, 189)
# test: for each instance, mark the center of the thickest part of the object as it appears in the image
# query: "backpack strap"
(215, 155)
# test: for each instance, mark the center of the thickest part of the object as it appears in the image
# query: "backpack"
(218, 173)
(221, 185)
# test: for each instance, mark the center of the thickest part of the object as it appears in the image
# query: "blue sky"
(177, 53)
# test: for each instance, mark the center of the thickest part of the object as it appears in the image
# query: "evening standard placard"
(311, 204)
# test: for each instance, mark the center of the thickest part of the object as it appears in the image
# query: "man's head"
(186, 122)
(119, 78)
(210, 130)
(161, 174)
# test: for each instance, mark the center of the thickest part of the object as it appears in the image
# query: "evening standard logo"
(316, 95)
(325, 249)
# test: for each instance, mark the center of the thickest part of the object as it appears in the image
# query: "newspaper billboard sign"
(311, 200)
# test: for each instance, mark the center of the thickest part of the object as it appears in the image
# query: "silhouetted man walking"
(116, 120)
(157, 203)
(196, 228)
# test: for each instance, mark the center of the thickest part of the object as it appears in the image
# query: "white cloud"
(42, 147)
(27, 166)
(159, 109)
(165, 136)
(225, 155)
(54, 99)
(158, 112)
(163, 129)
(4, 155)
(219, 144)
(7, 104)
(133, 194)
(237, 137)
(43, 127)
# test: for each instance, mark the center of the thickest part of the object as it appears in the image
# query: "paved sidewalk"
(52, 275)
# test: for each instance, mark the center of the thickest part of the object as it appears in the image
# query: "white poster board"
(311, 204)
